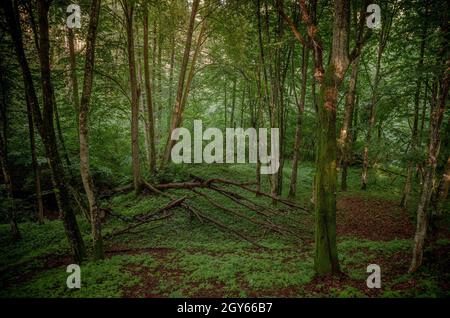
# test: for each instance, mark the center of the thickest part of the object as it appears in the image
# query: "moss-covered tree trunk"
(326, 256)
(326, 259)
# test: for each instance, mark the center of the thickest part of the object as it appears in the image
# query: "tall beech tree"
(326, 259)
(177, 109)
(330, 79)
(73, 69)
(415, 127)
(128, 8)
(148, 91)
(298, 128)
(88, 183)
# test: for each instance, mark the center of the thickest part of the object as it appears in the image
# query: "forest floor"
(182, 257)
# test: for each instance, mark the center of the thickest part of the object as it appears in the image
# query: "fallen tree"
(215, 185)
(147, 218)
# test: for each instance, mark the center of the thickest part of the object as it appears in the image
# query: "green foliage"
(172, 173)
(182, 257)
(107, 278)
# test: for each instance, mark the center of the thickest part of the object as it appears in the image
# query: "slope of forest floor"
(182, 257)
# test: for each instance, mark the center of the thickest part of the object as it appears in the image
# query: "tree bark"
(225, 106)
(187, 86)
(62, 144)
(159, 84)
(148, 91)
(326, 259)
(88, 183)
(62, 193)
(415, 132)
(44, 122)
(176, 114)
(345, 138)
(73, 70)
(423, 214)
(154, 57)
(36, 170)
(171, 68)
(129, 16)
(233, 104)
(445, 185)
(384, 35)
(298, 128)
(9, 189)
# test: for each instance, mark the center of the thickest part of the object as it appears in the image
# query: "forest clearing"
(224, 149)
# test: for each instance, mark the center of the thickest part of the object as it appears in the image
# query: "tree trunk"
(326, 259)
(73, 70)
(154, 56)
(88, 183)
(233, 104)
(187, 86)
(170, 99)
(176, 114)
(345, 138)
(298, 128)
(445, 185)
(36, 170)
(384, 35)
(433, 153)
(148, 91)
(49, 137)
(281, 109)
(345, 142)
(129, 14)
(365, 168)
(225, 107)
(263, 87)
(62, 144)
(44, 122)
(9, 189)
(241, 117)
(415, 129)
(159, 86)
